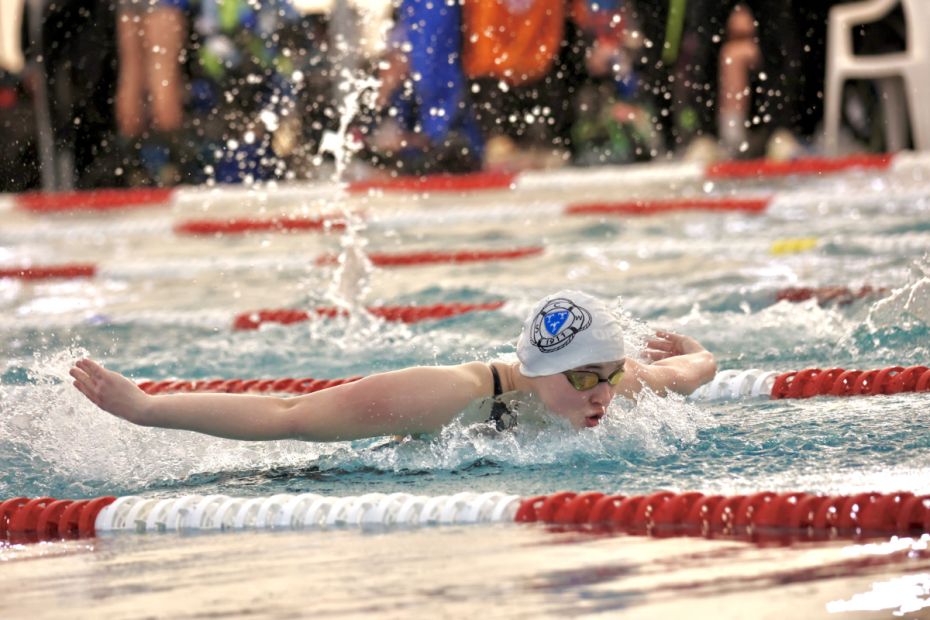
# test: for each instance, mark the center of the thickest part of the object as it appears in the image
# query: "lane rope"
(762, 516)
(94, 200)
(401, 314)
(763, 168)
(182, 267)
(729, 384)
(673, 174)
(307, 385)
(840, 295)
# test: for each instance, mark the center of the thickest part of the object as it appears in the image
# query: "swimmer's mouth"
(593, 420)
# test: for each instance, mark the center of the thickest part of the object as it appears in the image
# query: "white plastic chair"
(912, 66)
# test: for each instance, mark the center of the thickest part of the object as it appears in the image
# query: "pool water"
(162, 306)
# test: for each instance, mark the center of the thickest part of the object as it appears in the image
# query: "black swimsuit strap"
(501, 414)
(498, 390)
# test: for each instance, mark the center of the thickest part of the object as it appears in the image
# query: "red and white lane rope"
(790, 204)
(727, 384)
(909, 242)
(253, 319)
(636, 175)
(187, 267)
(810, 382)
(755, 516)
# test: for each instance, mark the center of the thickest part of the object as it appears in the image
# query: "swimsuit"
(501, 414)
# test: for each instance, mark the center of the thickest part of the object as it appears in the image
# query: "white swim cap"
(566, 330)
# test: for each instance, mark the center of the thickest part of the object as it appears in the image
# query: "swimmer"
(570, 358)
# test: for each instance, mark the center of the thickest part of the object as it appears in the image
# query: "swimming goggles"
(583, 380)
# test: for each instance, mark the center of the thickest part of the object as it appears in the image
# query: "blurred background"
(126, 93)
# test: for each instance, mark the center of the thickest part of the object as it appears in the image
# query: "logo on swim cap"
(556, 324)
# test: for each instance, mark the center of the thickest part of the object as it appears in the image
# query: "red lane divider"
(239, 226)
(647, 207)
(438, 183)
(306, 385)
(759, 514)
(77, 270)
(404, 314)
(25, 520)
(800, 384)
(840, 295)
(97, 200)
(840, 382)
(432, 257)
(109, 199)
(806, 166)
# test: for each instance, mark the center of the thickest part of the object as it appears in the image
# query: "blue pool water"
(713, 276)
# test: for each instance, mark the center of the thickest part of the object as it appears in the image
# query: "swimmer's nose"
(602, 394)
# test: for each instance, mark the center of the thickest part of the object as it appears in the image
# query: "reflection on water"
(506, 571)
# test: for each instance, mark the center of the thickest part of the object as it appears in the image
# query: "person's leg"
(130, 89)
(738, 57)
(165, 36)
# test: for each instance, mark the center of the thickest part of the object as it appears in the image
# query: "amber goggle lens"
(583, 380)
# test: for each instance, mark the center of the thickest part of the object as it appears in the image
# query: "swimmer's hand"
(110, 391)
(676, 364)
(664, 345)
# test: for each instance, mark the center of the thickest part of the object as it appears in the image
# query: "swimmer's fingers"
(654, 355)
(108, 390)
(659, 347)
(660, 344)
(88, 392)
(92, 368)
(87, 379)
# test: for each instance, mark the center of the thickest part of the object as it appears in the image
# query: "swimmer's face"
(582, 408)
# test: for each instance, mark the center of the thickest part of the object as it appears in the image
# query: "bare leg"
(165, 33)
(130, 90)
(738, 56)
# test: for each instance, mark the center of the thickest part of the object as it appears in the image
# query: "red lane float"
(306, 385)
(97, 200)
(24, 520)
(432, 257)
(407, 259)
(239, 226)
(840, 295)
(760, 168)
(795, 514)
(812, 382)
(648, 207)
(401, 314)
(438, 183)
(77, 270)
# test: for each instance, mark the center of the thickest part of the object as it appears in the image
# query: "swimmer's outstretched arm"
(409, 401)
(678, 364)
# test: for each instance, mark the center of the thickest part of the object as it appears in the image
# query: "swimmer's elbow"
(699, 369)
(708, 369)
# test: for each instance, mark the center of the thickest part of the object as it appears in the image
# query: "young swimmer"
(571, 359)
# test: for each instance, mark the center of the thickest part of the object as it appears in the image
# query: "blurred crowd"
(110, 93)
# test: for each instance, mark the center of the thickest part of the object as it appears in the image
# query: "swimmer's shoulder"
(478, 376)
